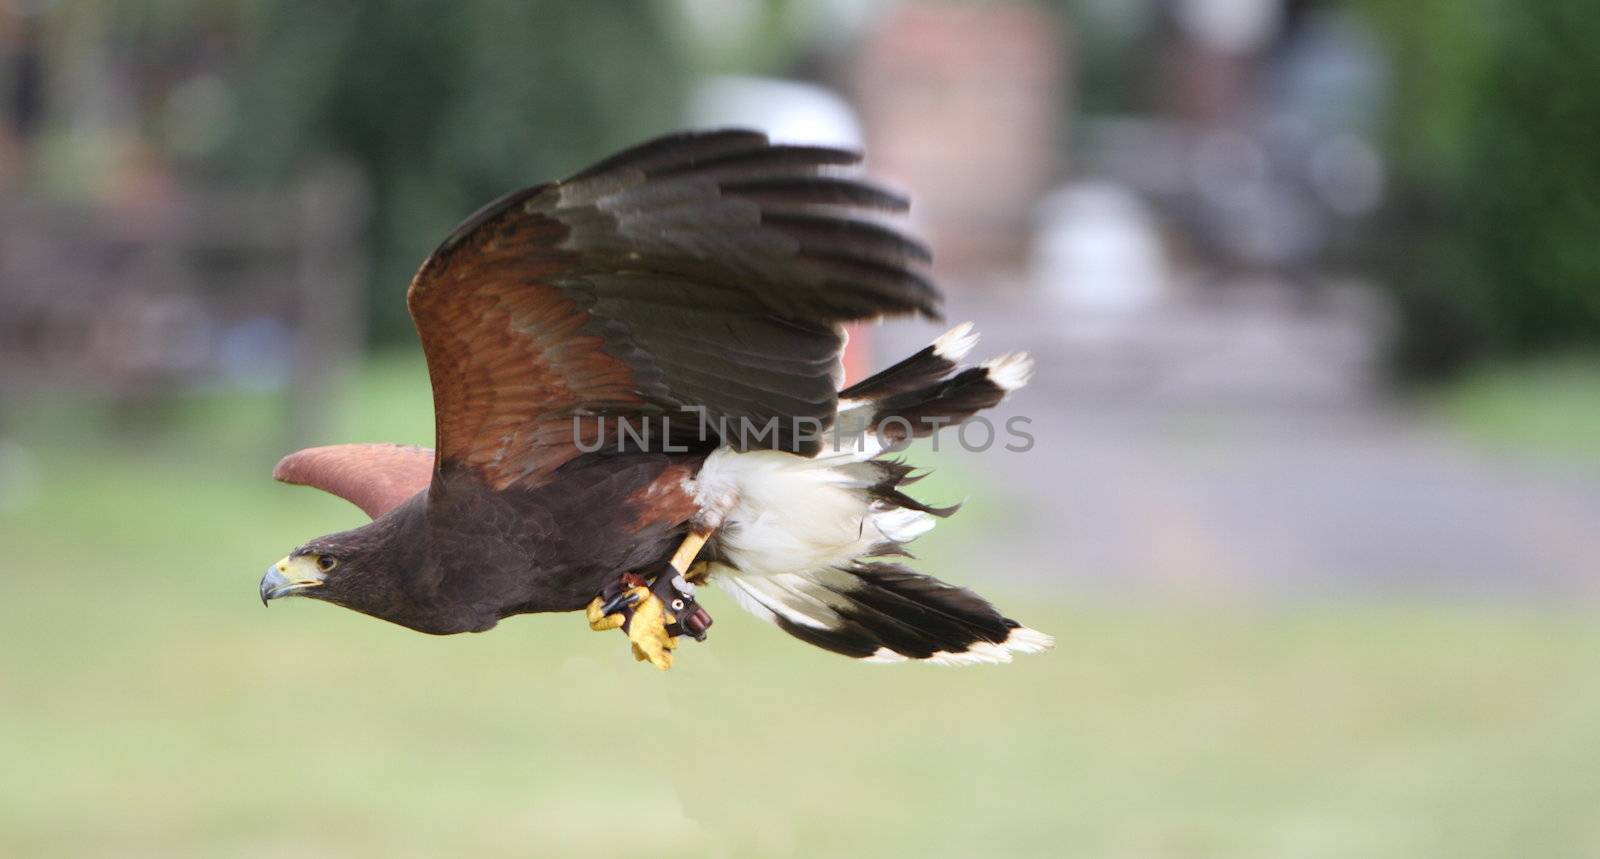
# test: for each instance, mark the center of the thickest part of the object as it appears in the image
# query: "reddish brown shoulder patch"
(665, 501)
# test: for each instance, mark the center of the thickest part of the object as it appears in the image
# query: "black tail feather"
(929, 365)
(884, 612)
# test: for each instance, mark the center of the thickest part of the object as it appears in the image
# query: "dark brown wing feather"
(374, 477)
(707, 270)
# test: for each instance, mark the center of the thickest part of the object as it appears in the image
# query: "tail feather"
(795, 550)
(926, 367)
(918, 396)
(883, 612)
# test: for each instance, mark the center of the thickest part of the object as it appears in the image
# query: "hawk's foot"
(652, 615)
(612, 608)
(647, 629)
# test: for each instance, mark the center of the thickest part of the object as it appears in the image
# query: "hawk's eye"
(326, 562)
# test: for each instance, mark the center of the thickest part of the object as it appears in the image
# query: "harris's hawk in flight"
(635, 379)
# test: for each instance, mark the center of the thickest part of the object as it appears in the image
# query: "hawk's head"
(374, 569)
(365, 569)
(337, 568)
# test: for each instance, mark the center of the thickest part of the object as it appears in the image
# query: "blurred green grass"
(150, 707)
(1545, 410)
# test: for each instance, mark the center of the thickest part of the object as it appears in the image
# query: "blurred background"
(1313, 506)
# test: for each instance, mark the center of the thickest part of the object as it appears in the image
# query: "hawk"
(635, 377)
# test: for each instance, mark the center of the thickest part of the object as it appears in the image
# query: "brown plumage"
(691, 281)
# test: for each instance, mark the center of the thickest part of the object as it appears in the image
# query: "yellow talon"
(602, 622)
(648, 632)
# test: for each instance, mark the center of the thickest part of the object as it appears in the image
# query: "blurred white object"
(788, 111)
(1229, 26)
(1098, 247)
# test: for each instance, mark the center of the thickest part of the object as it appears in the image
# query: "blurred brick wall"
(963, 105)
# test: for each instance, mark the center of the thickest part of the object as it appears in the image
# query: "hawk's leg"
(654, 615)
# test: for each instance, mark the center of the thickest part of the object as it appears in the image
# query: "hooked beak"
(289, 577)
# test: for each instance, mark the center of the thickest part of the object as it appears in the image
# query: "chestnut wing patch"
(708, 271)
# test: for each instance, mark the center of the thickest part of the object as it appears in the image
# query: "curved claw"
(647, 629)
(627, 599)
(599, 621)
(608, 614)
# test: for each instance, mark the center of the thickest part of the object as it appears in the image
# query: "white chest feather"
(776, 512)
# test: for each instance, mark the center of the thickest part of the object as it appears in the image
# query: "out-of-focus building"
(1210, 57)
(965, 103)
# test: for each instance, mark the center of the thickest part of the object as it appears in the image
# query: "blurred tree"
(448, 104)
(1108, 45)
(1498, 175)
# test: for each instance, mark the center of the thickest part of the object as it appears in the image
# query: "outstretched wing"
(374, 477)
(705, 271)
